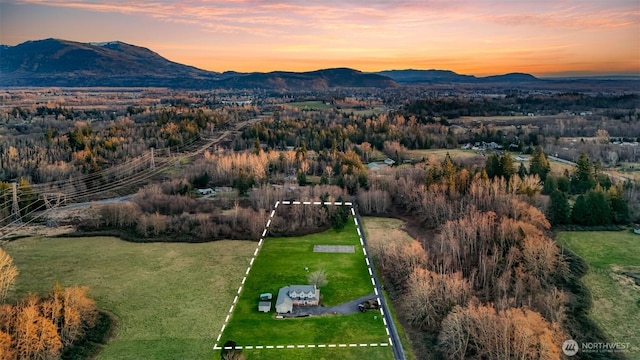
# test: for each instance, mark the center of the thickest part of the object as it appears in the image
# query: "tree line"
(58, 325)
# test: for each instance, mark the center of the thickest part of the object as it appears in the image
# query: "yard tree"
(318, 278)
(229, 351)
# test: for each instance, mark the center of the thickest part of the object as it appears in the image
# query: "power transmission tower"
(15, 207)
(52, 201)
(153, 163)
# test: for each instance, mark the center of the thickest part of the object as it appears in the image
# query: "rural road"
(396, 345)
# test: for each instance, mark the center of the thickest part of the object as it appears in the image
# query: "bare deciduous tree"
(318, 278)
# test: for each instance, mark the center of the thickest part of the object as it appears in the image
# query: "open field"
(385, 229)
(167, 297)
(282, 261)
(364, 112)
(379, 229)
(559, 168)
(616, 299)
(506, 118)
(627, 170)
(440, 154)
(310, 105)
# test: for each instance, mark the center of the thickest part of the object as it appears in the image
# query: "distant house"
(376, 166)
(389, 161)
(264, 306)
(207, 191)
(296, 295)
(521, 158)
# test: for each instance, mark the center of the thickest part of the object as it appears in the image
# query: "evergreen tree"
(550, 185)
(506, 165)
(564, 184)
(449, 172)
(244, 182)
(522, 171)
(619, 206)
(340, 216)
(598, 209)
(579, 212)
(583, 178)
(493, 166)
(302, 177)
(539, 164)
(559, 211)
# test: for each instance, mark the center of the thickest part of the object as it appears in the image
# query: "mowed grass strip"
(170, 299)
(616, 299)
(344, 353)
(282, 262)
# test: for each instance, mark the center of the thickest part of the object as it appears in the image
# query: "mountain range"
(54, 62)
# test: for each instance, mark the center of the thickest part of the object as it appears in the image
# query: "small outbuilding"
(264, 306)
(266, 297)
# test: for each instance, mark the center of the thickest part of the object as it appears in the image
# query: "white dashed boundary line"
(253, 258)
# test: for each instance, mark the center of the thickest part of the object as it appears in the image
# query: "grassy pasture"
(167, 297)
(310, 105)
(616, 299)
(282, 261)
(504, 118)
(364, 112)
(440, 154)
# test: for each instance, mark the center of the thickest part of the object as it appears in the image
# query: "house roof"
(302, 288)
(283, 298)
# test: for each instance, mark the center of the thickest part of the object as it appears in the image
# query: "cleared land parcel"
(166, 296)
(287, 261)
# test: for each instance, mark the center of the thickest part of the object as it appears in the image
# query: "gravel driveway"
(344, 308)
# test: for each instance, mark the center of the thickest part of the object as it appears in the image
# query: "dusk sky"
(481, 37)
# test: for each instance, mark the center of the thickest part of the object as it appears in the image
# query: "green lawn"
(616, 299)
(282, 261)
(170, 299)
(347, 353)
